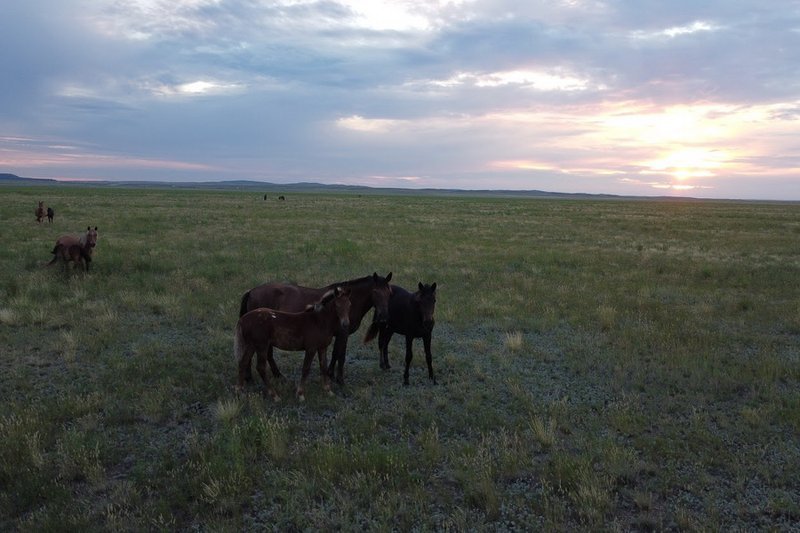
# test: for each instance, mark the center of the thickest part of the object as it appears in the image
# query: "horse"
(50, 214)
(76, 249)
(410, 315)
(310, 330)
(365, 293)
(40, 212)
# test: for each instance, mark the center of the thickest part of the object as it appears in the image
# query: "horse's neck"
(327, 319)
(82, 240)
(360, 299)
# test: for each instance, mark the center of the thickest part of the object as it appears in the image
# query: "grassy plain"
(602, 364)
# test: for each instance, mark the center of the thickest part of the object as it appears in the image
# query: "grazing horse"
(50, 214)
(311, 331)
(77, 249)
(365, 293)
(40, 211)
(410, 315)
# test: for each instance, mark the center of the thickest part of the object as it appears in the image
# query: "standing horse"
(40, 211)
(77, 249)
(365, 293)
(311, 330)
(50, 214)
(410, 315)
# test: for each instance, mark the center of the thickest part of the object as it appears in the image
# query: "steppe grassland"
(601, 364)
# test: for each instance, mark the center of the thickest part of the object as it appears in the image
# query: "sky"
(693, 98)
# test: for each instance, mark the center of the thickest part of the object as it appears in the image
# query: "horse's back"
(282, 329)
(282, 297)
(68, 240)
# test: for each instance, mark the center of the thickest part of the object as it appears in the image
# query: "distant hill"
(13, 179)
(307, 187)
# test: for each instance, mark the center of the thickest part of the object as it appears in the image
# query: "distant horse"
(281, 197)
(311, 330)
(40, 211)
(410, 315)
(77, 249)
(50, 214)
(365, 293)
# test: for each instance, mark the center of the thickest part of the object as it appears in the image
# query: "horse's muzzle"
(345, 324)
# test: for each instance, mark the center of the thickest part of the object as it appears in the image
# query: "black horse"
(50, 214)
(410, 315)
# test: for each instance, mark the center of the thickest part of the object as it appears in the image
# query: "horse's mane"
(329, 295)
(349, 283)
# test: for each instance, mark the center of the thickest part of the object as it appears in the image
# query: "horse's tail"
(371, 332)
(55, 254)
(238, 343)
(243, 305)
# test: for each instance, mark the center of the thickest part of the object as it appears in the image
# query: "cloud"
(573, 95)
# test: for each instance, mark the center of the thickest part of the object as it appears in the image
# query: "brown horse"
(77, 249)
(311, 330)
(40, 212)
(365, 293)
(410, 315)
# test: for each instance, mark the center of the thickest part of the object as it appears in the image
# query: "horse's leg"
(323, 367)
(384, 336)
(272, 366)
(338, 356)
(306, 369)
(409, 355)
(261, 366)
(426, 340)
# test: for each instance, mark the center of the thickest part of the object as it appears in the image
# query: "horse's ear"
(95, 228)
(375, 277)
(433, 287)
(421, 286)
(88, 228)
(388, 277)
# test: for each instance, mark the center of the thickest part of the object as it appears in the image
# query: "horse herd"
(295, 318)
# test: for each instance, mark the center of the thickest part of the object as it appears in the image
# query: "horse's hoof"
(330, 392)
(405, 383)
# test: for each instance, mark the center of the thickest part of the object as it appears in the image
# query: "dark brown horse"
(410, 315)
(311, 330)
(77, 249)
(365, 293)
(40, 211)
(50, 214)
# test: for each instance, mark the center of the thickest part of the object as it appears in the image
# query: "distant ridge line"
(7, 179)
(275, 188)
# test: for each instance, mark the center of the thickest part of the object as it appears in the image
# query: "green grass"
(604, 364)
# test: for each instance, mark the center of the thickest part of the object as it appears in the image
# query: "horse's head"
(91, 237)
(425, 299)
(340, 297)
(381, 291)
(342, 302)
